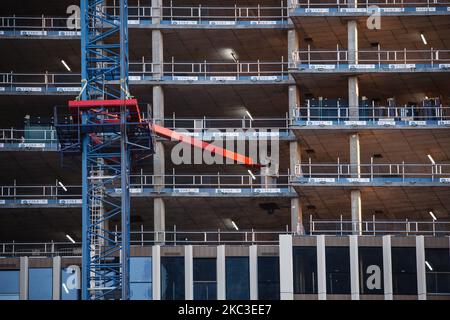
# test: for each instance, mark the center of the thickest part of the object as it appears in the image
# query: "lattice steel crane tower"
(106, 126)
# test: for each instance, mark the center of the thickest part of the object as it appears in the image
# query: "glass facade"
(69, 290)
(268, 278)
(205, 278)
(140, 278)
(305, 270)
(338, 270)
(404, 270)
(172, 278)
(237, 278)
(40, 285)
(437, 268)
(371, 270)
(9, 285)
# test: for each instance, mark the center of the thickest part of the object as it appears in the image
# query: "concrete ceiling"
(395, 146)
(395, 33)
(186, 214)
(385, 203)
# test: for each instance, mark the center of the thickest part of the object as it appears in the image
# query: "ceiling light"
(428, 265)
(62, 186)
(251, 174)
(423, 39)
(65, 288)
(65, 65)
(249, 115)
(70, 238)
(432, 215)
(431, 159)
(234, 225)
(233, 55)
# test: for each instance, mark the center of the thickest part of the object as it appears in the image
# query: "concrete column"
(286, 268)
(354, 267)
(156, 272)
(297, 217)
(353, 98)
(387, 268)
(355, 156)
(355, 196)
(188, 273)
(253, 272)
(23, 278)
(352, 33)
(56, 278)
(353, 85)
(221, 275)
(157, 11)
(158, 116)
(421, 272)
(321, 268)
(296, 207)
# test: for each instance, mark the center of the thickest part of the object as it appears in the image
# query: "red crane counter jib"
(114, 106)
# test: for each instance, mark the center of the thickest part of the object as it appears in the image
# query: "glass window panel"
(40, 286)
(338, 270)
(437, 270)
(371, 270)
(68, 287)
(140, 291)
(172, 278)
(305, 270)
(205, 290)
(268, 278)
(237, 278)
(404, 270)
(141, 269)
(140, 278)
(205, 278)
(9, 282)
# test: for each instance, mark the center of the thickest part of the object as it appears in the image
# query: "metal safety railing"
(308, 4)
(375, 227)
(142, 237)
(41, 24)
(214, 71)
(244, 123)
(43, 80)
(139, 182)
(218, 181)
(373, 113)
(206, 69)
(374, 171)
(199, 13)
(377, 57)
(28, 136)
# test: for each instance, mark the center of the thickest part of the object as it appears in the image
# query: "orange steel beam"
(167, 133)
(161, 131)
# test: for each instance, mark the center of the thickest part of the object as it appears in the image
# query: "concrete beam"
(387, 268)
(253, 272)
(421, 271)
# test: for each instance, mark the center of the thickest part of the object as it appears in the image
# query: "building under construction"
(223, 150)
